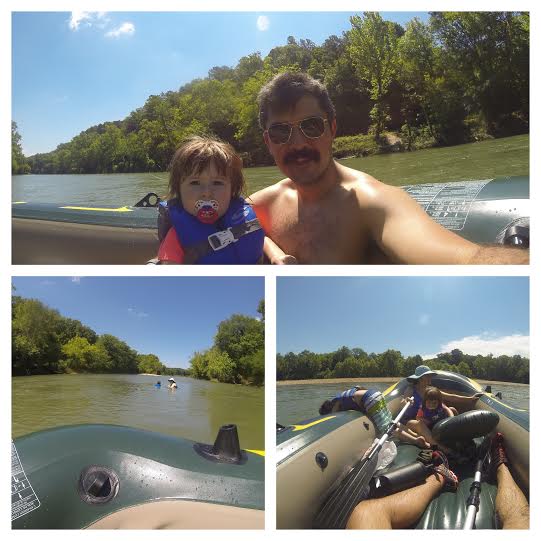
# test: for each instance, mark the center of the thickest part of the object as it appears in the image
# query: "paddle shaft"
(475, 489)
(335, 511)
(388, 433)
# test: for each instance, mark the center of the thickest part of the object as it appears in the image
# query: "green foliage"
(125, 358)
(373, 45)
(355, 146)
(220, 366)
(240, 336)
(45, 342)
(199, 365)
(19, 165)
(150, 364)
(35, 344)
(238, 353)
(461, 77)
(78, 355)
(355, 363)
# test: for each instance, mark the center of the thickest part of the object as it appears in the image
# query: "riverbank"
(378, 380)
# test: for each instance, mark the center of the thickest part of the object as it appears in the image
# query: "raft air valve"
(226, 447)
(321, 460)
(97, 485)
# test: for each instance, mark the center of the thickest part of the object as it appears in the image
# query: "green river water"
(508, 156)
(195, 410)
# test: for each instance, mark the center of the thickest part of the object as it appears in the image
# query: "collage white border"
(7, 270)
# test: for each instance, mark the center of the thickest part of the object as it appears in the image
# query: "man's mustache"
(304, 153)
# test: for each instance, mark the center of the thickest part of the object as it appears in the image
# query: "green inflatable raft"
(484, 211)
(315, 456)
(113, 477)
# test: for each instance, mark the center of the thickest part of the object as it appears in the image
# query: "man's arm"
(276, 255)
(260, 202)
(406, 234)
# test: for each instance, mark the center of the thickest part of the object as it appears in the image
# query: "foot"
(421, 442)
(446, 477)
(498, 456)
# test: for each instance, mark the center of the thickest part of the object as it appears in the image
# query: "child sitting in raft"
(431, 411)
(372, 403)
(205, 220)
(433, 408)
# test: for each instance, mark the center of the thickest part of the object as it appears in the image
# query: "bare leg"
(412, 437)
(420, 428)
(397, 511)
(511, 504)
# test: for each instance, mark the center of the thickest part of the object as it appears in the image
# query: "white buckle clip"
(221, 239)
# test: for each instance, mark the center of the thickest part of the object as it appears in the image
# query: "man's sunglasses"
(312, 128)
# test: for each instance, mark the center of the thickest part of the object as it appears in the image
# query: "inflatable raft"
(315, 456)
(112, 477)
(485, 211)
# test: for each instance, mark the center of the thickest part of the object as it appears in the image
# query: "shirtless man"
(325, 213)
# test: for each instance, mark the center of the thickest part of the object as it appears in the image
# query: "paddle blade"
(354, 488)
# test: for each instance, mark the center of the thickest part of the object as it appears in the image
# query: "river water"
(295, 403)
(195, 410)
(487, 159)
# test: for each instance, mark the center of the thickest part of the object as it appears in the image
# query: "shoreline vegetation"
(355, 363)
(44, 342)
(395, 89)
(379, 380)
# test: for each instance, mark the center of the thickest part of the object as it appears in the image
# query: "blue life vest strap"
(219, 240)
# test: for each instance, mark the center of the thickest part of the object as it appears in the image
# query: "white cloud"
(77, 17)
(424, 319)
(76, 279)
(125, 29)
(263, 23)
(87, 18)
(135, 313)
(514, 344)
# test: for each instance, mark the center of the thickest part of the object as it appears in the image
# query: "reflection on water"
(295, 403)
(195, 410)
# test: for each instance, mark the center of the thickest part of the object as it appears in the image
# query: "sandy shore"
(377, 380)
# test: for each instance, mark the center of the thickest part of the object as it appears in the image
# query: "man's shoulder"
(271, 193)
(369, 189)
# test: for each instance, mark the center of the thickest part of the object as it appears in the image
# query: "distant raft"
(484, 211)
(113, 477)
(314, 456)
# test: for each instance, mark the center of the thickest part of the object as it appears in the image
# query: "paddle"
(354, 488)
(475, 488)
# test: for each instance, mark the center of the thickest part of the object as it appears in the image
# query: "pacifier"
(206, 211)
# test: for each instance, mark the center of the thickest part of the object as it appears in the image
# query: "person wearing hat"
(172, 383)
(421, 380)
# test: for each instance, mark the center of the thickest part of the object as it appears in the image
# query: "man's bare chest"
(322, 235)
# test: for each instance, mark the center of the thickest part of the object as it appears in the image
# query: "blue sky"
(415, 315)
(74, 70)
(169, 316)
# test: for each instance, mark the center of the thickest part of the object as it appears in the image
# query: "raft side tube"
(150, 467)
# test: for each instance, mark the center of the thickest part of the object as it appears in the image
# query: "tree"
(240, 336)
(373, 45)
(490, 51)
(123, 358)
(220, 366)
(19, 165)
(35, 345)
(79, 355)
(348, 368)
(252, 368)
(150, 364)
(199, 366)
(417, 71)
